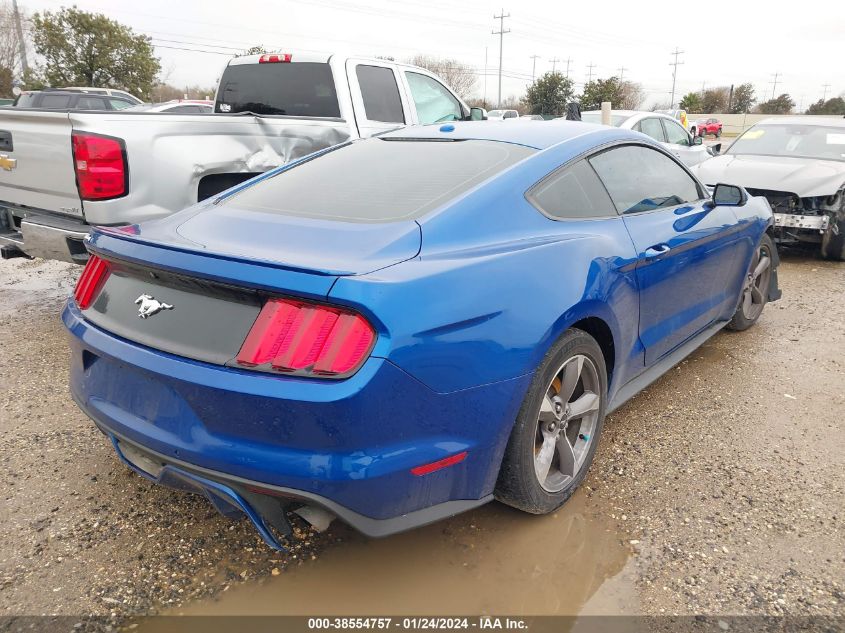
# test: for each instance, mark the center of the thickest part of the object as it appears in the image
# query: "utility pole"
(485, 75)
(622, 70)
(590, 67)
(731, 98)
(568, 59)
(533, 66)
(21, 42)
(675, 65)
(554, 61)
(501, 33)
(775, 83)
(824, 96)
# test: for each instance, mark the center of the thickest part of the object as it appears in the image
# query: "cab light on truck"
(275, 59)
(100, 164)
(91, 281)
(307, 339)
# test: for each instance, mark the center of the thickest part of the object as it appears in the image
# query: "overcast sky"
(723, 42)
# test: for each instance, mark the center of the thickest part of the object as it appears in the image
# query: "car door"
(432, 101)
(681, 144)
(377, 100)
(687, 248)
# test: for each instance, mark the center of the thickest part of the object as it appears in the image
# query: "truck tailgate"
(40, 173)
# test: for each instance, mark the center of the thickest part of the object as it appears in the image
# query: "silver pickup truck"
(61, 172)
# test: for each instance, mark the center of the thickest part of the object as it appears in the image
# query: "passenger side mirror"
(697, 140)
(477, 114)
(715, 149)
(729, 195)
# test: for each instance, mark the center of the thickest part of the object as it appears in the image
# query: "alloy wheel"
(757, 284)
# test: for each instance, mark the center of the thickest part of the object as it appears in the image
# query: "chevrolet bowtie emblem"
(8, 163)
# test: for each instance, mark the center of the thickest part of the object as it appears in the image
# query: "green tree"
(549, 94)
(836, 105)
(599, 90)
(743, 99)
(781, 105)
(691, 102)
(89, 49)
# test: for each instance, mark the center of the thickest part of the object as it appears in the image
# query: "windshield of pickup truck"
(291, 89)
(797, 141)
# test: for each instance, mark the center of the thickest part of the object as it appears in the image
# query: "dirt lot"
(720, 490)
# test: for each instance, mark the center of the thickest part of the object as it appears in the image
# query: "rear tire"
(718, 133)
(833, 240)
(755, 290)
(551, 432)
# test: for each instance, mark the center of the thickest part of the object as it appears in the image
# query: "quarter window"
(380, 94)
(572, 192)
(433, 101)
(642, 179)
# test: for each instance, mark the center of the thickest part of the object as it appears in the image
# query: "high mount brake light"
(275, 59)
(100, 164)
(91, 281)
(301, 338)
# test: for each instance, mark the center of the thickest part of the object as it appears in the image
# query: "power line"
(622, 70)
(533, 66)
(675, 64)
(501, 33)
(554, 61)
(775, 83)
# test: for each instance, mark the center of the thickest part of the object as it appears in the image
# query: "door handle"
(657, 250)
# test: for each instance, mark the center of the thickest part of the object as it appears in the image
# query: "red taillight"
(275, 58)
(91, 281)
(440, 463)
(100, 165)
(307, 339)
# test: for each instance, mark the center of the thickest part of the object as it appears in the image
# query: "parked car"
(49, 99)
(661, 127)
(185, 106)
(112, 92)
(798, 165)
(681, 117)
(502, 115)
(327, 334)
(532, 117)
(703, 127)
(66, 171)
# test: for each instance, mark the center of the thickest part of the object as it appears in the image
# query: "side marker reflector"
(440, 463)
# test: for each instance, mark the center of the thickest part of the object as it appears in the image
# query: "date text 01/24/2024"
(417, 623)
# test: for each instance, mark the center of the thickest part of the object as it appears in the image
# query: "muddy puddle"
(493, 561)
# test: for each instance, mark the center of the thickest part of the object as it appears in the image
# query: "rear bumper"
(347, 446)
(47, 236)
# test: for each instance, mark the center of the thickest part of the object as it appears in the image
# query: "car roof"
(804, 119)
(516, 132)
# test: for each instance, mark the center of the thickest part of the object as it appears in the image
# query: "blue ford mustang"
(403, 328)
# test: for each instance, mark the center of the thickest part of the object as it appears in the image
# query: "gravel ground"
(723, 481)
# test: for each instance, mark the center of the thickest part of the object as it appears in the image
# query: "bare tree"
(631, 95)
(459, 77)
(9, 46)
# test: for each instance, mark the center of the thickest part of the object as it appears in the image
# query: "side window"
(510, 114)
(656, 181)
(675, 133)
(572, 192)
(380, 94)
(434, 103)
(120, 104)
(91, 103)
(54, 101)
(651, 127)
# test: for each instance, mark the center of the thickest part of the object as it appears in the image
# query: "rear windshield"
(292, 89)
(26, 100)
(380, 180)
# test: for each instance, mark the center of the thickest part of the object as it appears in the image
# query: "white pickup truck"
(61, 172)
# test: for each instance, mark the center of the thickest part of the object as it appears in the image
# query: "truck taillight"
(275, 58)
(301, 338)
(100, 163)
(91, 281)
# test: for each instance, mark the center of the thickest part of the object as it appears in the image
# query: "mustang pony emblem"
(149, 306)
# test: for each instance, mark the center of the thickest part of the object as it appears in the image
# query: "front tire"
(755, 290)
(557, 430)
(833, 240)
(718, 133)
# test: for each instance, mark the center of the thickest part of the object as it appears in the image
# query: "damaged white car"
(798, 164)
